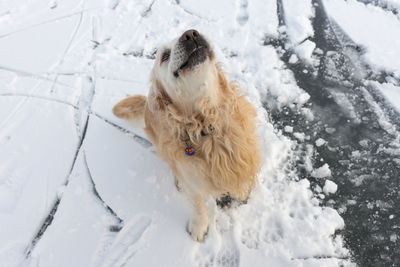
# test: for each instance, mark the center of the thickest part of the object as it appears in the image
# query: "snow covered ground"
(79, 187)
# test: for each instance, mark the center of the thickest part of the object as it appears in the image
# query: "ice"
(64, 64)
(394, 237)
(27, 185)
(344, 102)
(330, 187)
(305, 50)
(395, 4)
(299, 136)
(320, 142)
(293, 59)
(372, 27)
(390, 91)
(288, 129)
(384, 122)
(321, 172)
(89, 219)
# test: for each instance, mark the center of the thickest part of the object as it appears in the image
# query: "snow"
(395, 4)
(288, 129)
(299, 29)
(347, 107)
(64, 64)
(320, 142)
(27, 186)
(390, 92)
(293, 59)
(383, 121)
(297, 18)
(373, 28)
(90, 220)
(299, 136)
(260, 24)
(305, 50)
(330, 187)
(274, 83)
(321, 172)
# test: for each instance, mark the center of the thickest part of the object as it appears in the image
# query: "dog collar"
(189, 150)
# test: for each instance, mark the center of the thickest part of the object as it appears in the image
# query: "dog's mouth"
(198, 55)
(191, 50)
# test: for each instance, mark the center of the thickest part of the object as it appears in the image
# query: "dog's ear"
(158, 98)
(130, 108)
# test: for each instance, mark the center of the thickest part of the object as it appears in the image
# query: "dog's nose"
(189, 35)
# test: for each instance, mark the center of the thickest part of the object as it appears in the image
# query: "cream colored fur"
(219, 121)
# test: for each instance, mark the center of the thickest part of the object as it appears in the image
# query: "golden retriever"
(200, 124)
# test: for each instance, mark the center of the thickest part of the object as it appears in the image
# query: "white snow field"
(79, 187)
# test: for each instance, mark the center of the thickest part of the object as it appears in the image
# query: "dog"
(199, 123)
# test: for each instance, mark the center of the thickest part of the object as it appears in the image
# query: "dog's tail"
(131, 109)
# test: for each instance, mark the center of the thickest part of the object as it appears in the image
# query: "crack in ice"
(47, 22)
(75, 32)
(97, 195)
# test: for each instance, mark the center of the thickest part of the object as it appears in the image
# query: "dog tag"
(189, 151)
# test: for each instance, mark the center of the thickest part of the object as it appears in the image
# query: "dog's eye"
(165, 56)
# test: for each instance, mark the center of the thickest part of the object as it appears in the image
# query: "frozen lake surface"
(79, 187)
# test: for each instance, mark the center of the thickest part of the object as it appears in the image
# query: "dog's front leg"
(198, 223)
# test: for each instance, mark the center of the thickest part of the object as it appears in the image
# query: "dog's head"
(185, 67)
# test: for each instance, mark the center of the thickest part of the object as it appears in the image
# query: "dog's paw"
(198, 229)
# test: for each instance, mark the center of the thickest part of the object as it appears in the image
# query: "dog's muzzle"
(191, 50)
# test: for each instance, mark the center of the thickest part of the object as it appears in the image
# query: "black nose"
(189, 35)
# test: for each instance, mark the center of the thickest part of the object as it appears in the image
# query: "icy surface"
(371, 21)
(390, 91)
(79, 187)
(349, 110)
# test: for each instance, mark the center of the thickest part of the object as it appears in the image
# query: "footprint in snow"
(222, 251)
(242, 16)
(127, 242)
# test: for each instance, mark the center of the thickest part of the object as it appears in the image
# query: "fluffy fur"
(202, 108)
